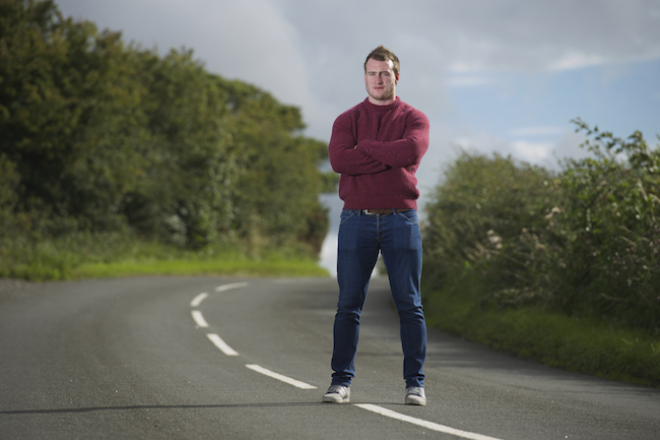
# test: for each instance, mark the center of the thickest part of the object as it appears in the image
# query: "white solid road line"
(295, 383)
(230, 286)
(198, 299)
(423, 423)
(217, 340)
(199, 319)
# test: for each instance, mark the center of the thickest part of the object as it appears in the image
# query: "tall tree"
(70, 114)
(105, 136)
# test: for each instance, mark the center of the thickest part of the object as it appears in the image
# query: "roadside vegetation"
(560, 267)
(112, 154)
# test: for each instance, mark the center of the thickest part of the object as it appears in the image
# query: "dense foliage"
(98, 136)
(584, 241)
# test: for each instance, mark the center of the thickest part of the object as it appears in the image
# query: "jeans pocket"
(346, 215)
(410, 216)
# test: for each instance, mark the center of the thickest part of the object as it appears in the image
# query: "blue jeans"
(361, 238)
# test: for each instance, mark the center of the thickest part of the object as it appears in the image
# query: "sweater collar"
(391, 106)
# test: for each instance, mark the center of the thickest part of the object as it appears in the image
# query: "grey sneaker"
(415, 396)
(337, 394)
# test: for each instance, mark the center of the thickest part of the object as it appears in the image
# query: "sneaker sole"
(334, 399)
(414, 400)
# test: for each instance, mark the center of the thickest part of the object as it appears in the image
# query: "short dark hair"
(381, 53)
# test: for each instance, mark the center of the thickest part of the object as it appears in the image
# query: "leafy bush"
(610, 230)
(584, 241)
(480, 208)
(9, 179)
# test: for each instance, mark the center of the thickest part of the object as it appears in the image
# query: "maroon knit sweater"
(380, 171)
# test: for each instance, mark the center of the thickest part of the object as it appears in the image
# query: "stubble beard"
(383, 95)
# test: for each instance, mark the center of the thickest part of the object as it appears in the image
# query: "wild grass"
(84, 255)
(273, 266)
(582, 345)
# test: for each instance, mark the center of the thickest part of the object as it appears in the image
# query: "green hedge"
(553, 249)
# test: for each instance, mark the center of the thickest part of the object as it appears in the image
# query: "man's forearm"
(400, 153)
(346, 159)
(354, 163)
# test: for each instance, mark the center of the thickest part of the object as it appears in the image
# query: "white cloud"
(537, 131)
(478, 143)
(534, 152)
(470, 80)
(546, 153)
(572, 59)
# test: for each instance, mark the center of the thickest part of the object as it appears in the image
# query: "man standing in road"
(377, 147)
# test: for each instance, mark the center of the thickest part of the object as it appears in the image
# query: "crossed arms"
(370, 156)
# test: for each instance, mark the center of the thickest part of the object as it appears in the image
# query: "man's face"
(381, 82)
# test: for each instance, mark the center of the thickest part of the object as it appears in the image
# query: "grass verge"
(269, 267)
(581, 345)
(115, 255)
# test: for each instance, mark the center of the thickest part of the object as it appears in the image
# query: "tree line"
(99, 135)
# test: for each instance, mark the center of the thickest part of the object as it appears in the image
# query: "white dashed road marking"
(227, 350)
(230, 286)
(201, 322)
(198, 299)
(295, 383)
(199, 319)
(423, 423)
(217, 340)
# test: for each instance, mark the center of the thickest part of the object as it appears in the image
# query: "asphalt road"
(218, 358)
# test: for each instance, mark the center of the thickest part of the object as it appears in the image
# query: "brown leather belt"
(385, 211)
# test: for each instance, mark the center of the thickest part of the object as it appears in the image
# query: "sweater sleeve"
(344, 158)
(404, 152)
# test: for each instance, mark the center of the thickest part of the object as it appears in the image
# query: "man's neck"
(382, 103)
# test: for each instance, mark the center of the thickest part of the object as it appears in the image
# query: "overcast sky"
(491, 75)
